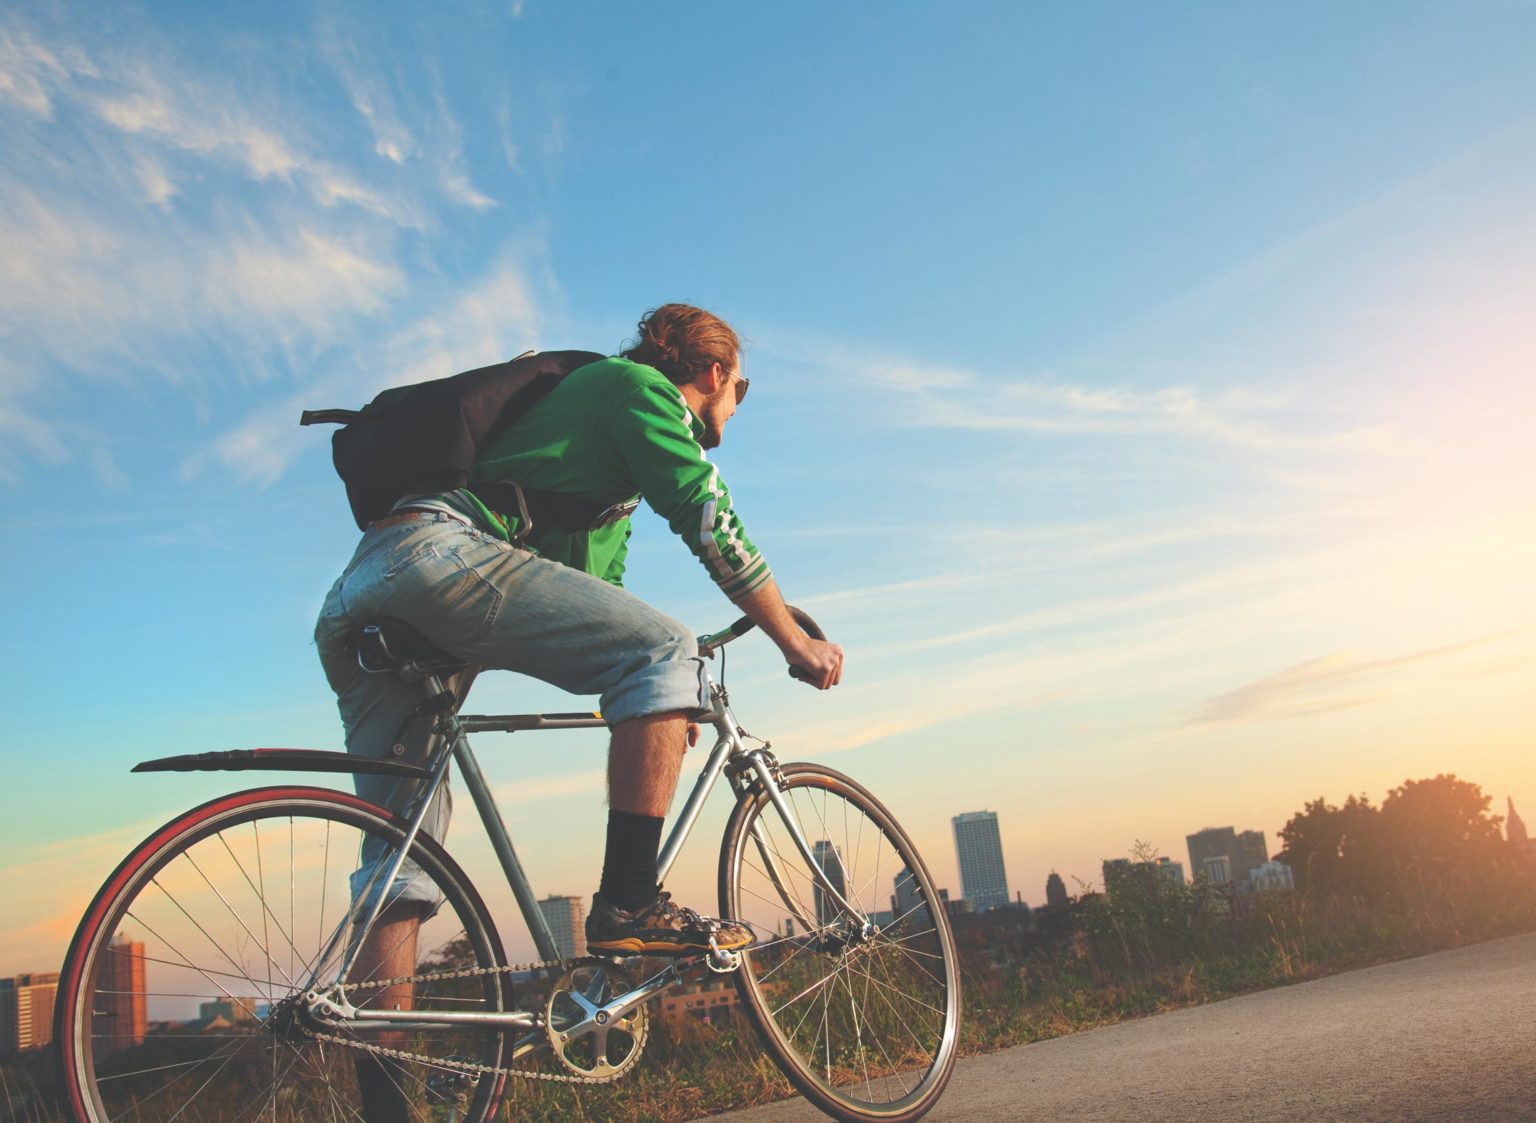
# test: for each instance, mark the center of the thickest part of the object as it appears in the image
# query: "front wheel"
(180, 998)
(858, 999)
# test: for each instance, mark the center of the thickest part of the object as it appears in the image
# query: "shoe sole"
(634, 945)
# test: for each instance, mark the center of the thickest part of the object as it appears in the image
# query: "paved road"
(1447, 1037)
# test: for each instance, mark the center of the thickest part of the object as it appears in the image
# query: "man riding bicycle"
(456, 570)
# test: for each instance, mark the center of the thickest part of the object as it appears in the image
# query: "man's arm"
(650, 431)
(821, 661)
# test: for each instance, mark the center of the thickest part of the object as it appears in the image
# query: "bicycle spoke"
(198, 950)
(261, 897)
(863, 1014)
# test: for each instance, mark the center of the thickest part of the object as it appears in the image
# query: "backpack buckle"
(614, 513)
(524, 519)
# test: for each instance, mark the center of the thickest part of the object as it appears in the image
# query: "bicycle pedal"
(720, 961)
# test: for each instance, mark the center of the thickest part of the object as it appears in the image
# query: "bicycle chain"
(457, 1065)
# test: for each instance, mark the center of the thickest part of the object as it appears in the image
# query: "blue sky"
(1141, 394)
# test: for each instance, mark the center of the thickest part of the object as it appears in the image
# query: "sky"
(1142, 395)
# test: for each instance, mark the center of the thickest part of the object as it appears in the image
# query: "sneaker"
(659, 928)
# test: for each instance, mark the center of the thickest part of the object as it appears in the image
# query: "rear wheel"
(860, 1008)
(179, 996)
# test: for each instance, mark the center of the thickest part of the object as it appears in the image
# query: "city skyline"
(1205, 386)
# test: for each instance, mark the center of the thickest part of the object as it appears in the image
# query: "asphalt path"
(1445, 1037)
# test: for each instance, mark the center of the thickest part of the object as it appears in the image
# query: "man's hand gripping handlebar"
(811, 658)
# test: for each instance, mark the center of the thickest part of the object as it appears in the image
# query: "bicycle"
(258, 904)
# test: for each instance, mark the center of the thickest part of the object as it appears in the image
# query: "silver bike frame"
(451, 735)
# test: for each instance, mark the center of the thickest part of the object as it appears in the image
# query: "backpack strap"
(330, 416)
(545, 510)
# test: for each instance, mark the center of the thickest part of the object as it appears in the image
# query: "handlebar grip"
(742, 626)
(807, 625)
(810, 628)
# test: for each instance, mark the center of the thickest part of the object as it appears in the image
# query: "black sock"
(629, 863)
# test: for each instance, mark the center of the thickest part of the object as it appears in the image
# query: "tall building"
(1055, 891)
(1251, 853)
(830, 859)
(980, 849)
(122, 1016)
(26, 1011)
(567, 924)
(1225, 857)
(1514, 827)
(1206, 848)
(907, 903)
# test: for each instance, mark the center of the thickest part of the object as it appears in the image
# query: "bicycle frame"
(730, 754)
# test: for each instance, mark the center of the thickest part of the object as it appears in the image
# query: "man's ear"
(715, 378)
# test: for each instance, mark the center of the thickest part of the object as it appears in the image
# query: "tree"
(1334, 849)
(1444, 820)
(1439, 826)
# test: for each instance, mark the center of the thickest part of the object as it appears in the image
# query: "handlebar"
(708, 645)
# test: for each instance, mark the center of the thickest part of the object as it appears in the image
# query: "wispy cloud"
(448, 136)
(371, 97)
(492, 320)
(153, 207)
(1330, 682)
(948, 397)
(591, 782)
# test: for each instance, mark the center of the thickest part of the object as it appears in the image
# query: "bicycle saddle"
(385, 645)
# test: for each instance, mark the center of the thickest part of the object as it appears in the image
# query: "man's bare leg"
(628, 917)
(389, 952)
(645, 756)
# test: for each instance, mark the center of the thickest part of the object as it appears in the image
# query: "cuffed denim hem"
(410, 884)
(661, 688)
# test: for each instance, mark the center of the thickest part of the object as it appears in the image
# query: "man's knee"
(661, 674)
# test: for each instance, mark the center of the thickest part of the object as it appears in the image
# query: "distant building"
(26, 1011)
(122, 1015)
(1271, 877)
(1224, 857)
(707, 1001)
(830, 859)
(980, 850)
(1218, 870)
(230, 1011)
(1118, 870)
(960, 906)
(908, 901)
(1208, 845)
(1251, 853)
(1055, 891)
(566, 919)
(1514, 827)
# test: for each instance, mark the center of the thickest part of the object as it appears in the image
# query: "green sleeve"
(651, 433)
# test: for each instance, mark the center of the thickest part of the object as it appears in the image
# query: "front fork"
(763, 767)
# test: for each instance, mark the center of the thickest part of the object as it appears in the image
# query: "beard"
(714, 432)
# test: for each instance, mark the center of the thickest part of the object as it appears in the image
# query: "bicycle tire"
(889, 1019)
(204, 909)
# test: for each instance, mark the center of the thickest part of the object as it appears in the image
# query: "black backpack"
(425, 437)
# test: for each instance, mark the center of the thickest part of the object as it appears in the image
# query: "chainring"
(585, 1039)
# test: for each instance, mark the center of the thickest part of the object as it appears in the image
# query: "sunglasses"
(741, 388)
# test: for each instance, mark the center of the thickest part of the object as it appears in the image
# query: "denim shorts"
(498, 607)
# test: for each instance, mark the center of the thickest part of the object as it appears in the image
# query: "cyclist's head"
(683, 342)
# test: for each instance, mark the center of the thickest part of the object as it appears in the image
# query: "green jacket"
(611, 431)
